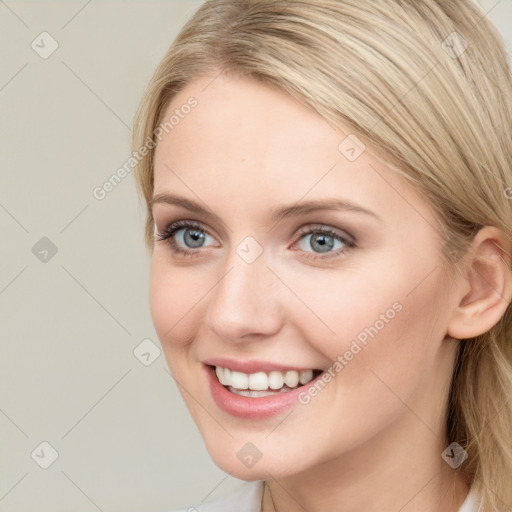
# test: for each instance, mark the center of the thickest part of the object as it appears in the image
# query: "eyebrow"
(276, 214)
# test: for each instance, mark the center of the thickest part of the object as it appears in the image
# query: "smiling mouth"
(261, 384)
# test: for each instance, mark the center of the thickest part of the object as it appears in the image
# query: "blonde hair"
(427, 85)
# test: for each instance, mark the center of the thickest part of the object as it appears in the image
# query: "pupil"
(325, 242)
(194, 237)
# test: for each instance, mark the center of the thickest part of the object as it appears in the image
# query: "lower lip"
(252, 408)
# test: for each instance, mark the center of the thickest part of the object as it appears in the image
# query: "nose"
(244, 304)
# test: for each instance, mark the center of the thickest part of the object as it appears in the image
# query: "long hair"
(427, 83)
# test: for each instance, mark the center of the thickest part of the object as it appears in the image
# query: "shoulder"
(248, 496)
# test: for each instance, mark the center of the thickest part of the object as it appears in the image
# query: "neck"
(412, 477)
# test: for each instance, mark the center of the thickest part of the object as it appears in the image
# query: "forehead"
(246, 120)
(258, 147)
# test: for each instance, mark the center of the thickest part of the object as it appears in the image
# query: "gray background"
(70, 321)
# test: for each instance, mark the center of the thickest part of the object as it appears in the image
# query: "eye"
(324, 240)
(184, 237)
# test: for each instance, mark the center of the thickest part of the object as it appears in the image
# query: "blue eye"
(193, 237)
(185, 237)
(324, 241)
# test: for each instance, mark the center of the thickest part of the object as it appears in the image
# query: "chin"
(252, 461)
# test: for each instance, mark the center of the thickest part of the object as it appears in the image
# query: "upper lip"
(253, 366)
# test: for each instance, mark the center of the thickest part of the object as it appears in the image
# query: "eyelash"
(172, 229)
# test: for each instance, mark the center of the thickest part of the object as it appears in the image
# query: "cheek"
(383, 364)
(174, 301)
(336, 307)
(379, 317)
(399, 341)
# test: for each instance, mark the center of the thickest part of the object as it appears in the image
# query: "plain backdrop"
(84, 390)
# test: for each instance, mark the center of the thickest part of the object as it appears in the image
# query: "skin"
(372, 439)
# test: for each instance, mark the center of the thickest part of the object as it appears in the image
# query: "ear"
(486, 288)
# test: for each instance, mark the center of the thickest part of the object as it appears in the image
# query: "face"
(300, 254)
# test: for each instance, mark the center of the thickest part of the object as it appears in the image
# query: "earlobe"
(486, 290)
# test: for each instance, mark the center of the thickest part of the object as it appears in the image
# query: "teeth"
(256, 394)
(240, 380)
(305, 376)
(257, 381)
(261, 381)
(275, 380)
(220, 375)
(291, 379)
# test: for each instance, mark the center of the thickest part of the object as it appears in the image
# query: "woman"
(327, 186)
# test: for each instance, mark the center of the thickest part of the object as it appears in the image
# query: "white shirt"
(248, 499)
